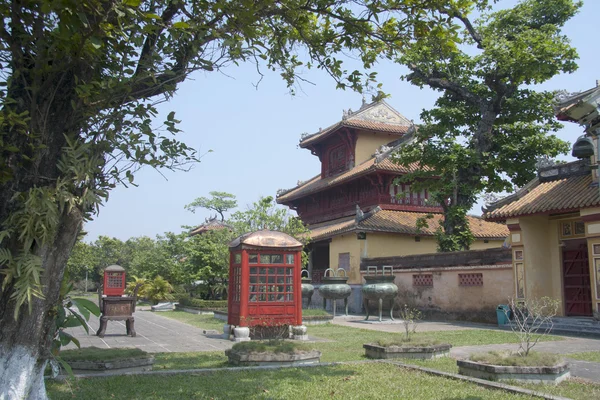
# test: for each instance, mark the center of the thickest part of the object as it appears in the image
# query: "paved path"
(155, 333)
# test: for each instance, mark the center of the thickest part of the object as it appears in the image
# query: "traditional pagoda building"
(354, 208)
(209, 225)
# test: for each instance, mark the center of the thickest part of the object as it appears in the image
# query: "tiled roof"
(567, 194)
(210, 225)
(317, 184)
(403, 222)
(377, 116)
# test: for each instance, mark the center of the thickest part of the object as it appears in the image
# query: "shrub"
(198, 303)
(532, 319)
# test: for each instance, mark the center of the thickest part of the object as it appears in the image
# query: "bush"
(206, 304)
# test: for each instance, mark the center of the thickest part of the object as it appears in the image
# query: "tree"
(489, 125)
(220, 202)
(80, 82)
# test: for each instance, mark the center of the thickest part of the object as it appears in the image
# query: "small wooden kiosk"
(114, 306)
(264, 284)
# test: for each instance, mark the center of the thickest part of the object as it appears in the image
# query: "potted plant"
(407, 345)
(531, 321)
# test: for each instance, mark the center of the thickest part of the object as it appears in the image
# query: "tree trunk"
(25, 343)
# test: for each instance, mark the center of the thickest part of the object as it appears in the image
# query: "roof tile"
(570, 193)
(403, 222)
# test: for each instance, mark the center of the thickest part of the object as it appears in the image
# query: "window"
(344, 261)
(271, 284)
(423, 280)
(470, 279)
(572, 229)
(237, 283)
(115, 280)
(337, 159)
(237, 258)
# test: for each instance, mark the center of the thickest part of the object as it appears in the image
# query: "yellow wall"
(448, 296)
(384, 245)
(367, 143)
(541, 270)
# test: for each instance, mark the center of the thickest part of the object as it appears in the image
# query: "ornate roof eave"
(361, 120)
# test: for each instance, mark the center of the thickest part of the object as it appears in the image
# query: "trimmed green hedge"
(198, 303)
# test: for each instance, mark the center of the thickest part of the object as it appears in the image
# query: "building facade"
(355, 208)
(554, 221)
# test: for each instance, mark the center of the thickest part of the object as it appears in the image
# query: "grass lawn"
(314, 312)
(593, 356)
(346, 343)
(205, 321)
(96, 354)
(357, 381)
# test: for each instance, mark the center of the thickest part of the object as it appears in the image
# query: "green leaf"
(181, 25)
(132, 3)
(84, 304)
(96, 42)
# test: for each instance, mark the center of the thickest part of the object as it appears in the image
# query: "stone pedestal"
(241, 334)
(226, 331)
(299, 332)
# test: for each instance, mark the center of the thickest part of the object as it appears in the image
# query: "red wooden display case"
(264, 280)
(114, 281)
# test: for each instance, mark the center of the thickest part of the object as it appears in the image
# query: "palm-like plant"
(159, 289)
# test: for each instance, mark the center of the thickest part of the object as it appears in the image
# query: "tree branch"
(438, 81)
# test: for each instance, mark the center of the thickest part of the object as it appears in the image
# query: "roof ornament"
(364, 102)
(299, 183)
(360, 215)
(562, 95)
(542, 162)
(381, 153)
(412, 128)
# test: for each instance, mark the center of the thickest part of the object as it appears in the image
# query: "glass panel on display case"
(276, 259)
(237, 258)
(289, 258)
(253, 258)
(265, 259)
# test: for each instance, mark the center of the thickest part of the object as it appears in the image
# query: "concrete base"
(168, 306)
(101, 367)
(553, 375)
(299, 332)
(241, 334)
(419, 353)
(273, 359)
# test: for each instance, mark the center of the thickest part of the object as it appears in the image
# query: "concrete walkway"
(155, 333)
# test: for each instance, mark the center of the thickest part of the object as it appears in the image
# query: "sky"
(254, 132)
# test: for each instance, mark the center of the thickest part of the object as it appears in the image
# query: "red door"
(576, 280)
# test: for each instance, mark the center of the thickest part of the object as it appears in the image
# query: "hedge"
(199, 303)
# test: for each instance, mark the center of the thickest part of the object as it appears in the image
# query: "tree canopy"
(490, 124)
(220, 202)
